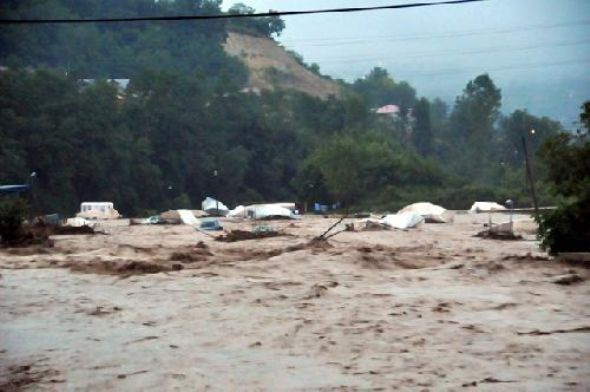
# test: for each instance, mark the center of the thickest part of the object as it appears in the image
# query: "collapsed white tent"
(214, 207)
(432, 213)
(79, 222)
(404, 220)
(264, 211)
(270, 211)
(238, 212)
(486, 206)
(188, 218)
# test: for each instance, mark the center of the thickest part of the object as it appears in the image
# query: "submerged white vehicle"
(98, 210)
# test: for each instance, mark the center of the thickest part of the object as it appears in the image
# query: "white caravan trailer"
(98, 210)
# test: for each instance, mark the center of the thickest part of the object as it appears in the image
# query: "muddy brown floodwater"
(161, 308)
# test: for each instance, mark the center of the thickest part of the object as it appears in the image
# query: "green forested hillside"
(158, 143)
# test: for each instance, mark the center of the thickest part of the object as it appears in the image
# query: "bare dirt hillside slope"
(271, 66)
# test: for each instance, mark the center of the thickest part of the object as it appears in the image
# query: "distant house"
(251, 90)
(392, 110)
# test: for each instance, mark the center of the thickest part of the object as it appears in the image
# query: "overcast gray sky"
(537, 51)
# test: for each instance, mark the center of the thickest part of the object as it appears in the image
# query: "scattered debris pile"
(243, 235)
(502, 231)
(199, 253)
(172, 217)
(152, 220)
(79, 222)
(30, 237)
(70, 230)
(567, 279)
(21, 377)
(123, 267)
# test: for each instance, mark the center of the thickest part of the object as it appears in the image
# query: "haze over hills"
(217, 108)
(537, 51)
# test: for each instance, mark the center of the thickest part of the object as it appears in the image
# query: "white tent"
(214, 207)
(404, 220)
(485, 206)
(430, 212)
(238, 212)
(264, 211)
(269, 211)
(79, 222)
(188, 218)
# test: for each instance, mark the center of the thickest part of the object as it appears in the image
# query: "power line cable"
(504, 68)
(235, 16)
(403, 56)
(453, 34)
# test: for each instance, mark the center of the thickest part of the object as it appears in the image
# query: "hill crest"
(271, 66)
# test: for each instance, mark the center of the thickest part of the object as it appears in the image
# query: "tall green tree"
(422, 137)
(520, 124)
(567, 229)
(380, 89)
(471, 128)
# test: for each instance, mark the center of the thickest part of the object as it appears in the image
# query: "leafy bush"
(13, 211)
(567, 229)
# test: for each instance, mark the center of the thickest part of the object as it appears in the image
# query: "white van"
(98, 210)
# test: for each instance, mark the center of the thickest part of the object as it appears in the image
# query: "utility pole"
(33, 196)
(529, 173)
(216, 191)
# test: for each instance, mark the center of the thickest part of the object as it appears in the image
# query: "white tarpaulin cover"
(272, 211)
(188, 218)
(264, 211)
(485, 206)
(404, 220)
(79, 222)
(430, 212)
(239, 211)
(212, 207)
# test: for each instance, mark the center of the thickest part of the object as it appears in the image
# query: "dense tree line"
(182, 130)
(118, 50)
(567, 228)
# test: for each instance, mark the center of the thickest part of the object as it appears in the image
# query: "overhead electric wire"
(402, 55)
(451, 34)
(502, 68)
(235, 16)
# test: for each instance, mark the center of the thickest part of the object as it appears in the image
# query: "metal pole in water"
(530, 177)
